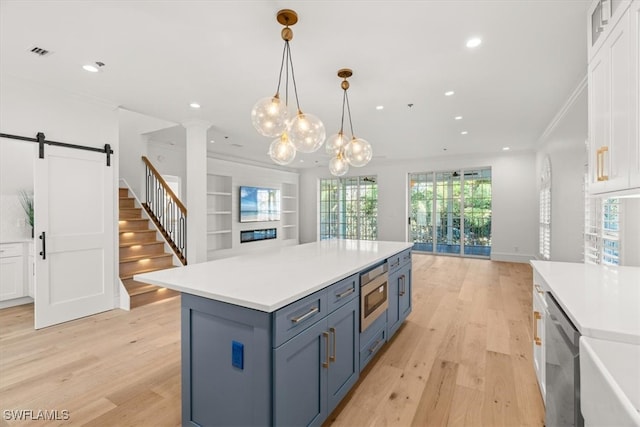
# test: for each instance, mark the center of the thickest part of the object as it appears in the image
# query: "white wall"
(170, 160)
(133, 143)
(514, 202)
(257, 176)
(564, 143)
(630, 233)
(16, 174)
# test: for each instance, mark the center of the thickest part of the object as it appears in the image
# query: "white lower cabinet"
(539, 318)
(11, 271)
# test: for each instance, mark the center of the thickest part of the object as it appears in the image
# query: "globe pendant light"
(356, 151)
(304, 132)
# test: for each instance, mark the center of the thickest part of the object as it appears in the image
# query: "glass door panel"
(421, 211)
(447, 214)
(477, 212)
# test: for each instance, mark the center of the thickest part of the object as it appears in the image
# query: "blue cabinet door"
(399, 297)
(300, 378)
(393, 311)
(404, 295)
(344, 369)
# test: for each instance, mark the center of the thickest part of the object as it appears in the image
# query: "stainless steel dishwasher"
(562, 368)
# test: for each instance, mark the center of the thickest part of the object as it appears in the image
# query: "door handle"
(333, 357)
(43, 252)
(536, 316)
(600, 153)
(325, 364)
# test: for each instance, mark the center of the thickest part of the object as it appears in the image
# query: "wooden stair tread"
(129, 244)
(147, 270)
(138, 231)
(137, 288)
(139, 257)
(133, 219)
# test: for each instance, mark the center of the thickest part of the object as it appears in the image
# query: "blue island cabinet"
(291, 367)
(399, 291)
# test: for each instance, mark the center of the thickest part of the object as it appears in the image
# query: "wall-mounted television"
(259, 204)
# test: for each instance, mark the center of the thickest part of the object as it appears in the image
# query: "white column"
(196, 190)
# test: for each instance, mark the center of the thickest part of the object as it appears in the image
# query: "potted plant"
(26, 200)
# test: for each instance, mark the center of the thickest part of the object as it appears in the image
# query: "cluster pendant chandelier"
(344, 152)
(304, 132)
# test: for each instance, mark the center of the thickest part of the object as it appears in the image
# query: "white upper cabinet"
(613, 96)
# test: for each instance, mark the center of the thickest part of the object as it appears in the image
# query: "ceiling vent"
(39, 51)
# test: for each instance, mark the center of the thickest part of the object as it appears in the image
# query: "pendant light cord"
(353, 135)
(344, 95)
(284, 51)
(293, 76)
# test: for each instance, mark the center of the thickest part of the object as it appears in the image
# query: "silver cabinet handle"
(333, 357)
(325, 364)
(538, 289)
(375, 346)
(396, 264)
(402, 288)
(345, 293)
(311, 312)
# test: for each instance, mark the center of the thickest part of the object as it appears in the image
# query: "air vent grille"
(39, 51)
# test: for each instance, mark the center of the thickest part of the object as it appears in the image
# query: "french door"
(450, 212)
(74, 230)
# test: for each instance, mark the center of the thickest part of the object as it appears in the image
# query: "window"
(544, 243)
(349, 208)
(452, 209)
(602, 231)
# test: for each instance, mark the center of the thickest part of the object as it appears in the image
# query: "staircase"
(140, 252)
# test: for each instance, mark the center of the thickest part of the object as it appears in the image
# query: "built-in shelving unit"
(219, 220)
(289, 211)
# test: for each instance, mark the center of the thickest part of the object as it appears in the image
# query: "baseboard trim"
(16, 301)
(508, 257)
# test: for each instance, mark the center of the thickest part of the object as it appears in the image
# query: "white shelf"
(219, 213)
(218, 193)
(288, 226)
(288, 197)
(288, 212)
(219, 220)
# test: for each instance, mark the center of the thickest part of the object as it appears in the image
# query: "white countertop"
(602, 302)
(269, 280)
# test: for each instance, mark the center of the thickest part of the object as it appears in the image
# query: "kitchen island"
(274, 338)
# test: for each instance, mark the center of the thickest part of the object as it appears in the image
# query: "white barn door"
(74, 235)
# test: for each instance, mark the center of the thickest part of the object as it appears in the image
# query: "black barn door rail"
(40, 139)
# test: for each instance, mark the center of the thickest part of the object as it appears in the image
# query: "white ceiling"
(225, 55)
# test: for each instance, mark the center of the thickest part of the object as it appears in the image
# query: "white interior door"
(74, 213)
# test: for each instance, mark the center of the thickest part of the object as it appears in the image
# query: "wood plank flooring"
(462, 358)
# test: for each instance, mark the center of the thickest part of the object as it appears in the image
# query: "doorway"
(450, 212)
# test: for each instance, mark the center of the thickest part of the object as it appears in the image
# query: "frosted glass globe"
(338, 166)
(269, 116)
(282, 151)
(306, 131)
(335, 143)
(358, 152)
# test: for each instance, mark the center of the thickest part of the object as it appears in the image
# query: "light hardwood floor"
(463, 357)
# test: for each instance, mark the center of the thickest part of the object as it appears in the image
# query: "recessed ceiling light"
(380, 107)
(194, 105)
(506, 148)
(464, 132)
(474, 42)
(458, 117)
(449, 93)
(301, 161)
(212, 141)
(90, 67)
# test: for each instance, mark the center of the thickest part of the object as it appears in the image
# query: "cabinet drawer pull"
(539, 289)
(333, 357)
(536, 316)
(325, 364)
(396, 264)
(600, 153)
(375, 346)
(345, 293)
(43, 252)
(402, 281)
(311, 312)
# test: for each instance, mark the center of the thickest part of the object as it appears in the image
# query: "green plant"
(26, 200)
